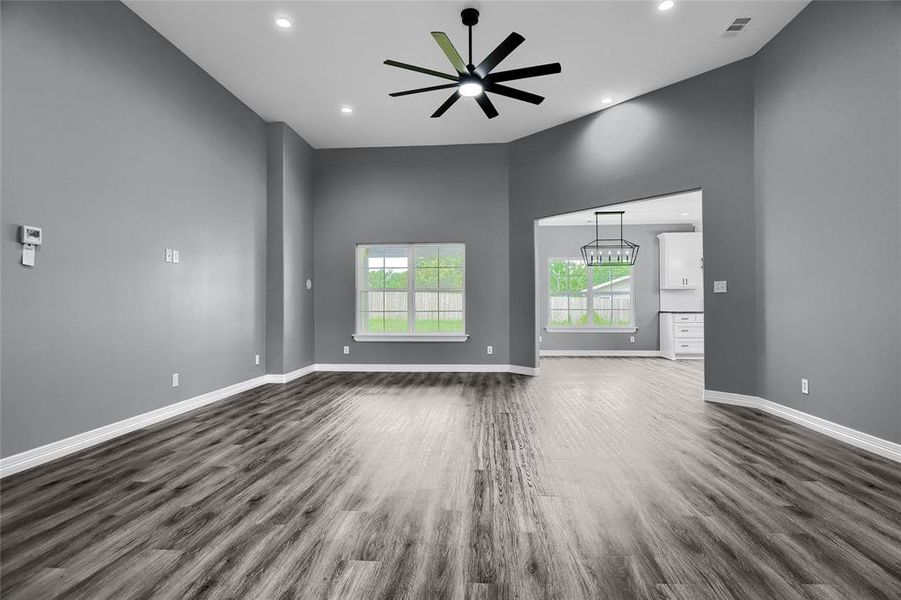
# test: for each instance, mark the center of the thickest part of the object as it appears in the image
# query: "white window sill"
(592, 330)
(405, 337)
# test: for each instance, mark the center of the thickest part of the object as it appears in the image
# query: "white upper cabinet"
(681, 261)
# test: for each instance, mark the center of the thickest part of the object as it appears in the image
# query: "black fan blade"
(526, 72)
(446, 86)
(450, 52)
(394, 63)
(486, 105)
(496, 88)
(502, 51)
(447, 104)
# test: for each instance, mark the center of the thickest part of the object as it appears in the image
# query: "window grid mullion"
(589, 273)
(411, 287)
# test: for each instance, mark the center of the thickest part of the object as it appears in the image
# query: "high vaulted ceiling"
(332, 57)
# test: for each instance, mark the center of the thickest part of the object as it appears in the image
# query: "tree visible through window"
(589, 297)
(410, 289)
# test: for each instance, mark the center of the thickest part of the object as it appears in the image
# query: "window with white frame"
(410, 290)
(589, 297)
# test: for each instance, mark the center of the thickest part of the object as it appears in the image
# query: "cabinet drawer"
(683, 318)
(689, 347)
(688, 330)
(699, 318)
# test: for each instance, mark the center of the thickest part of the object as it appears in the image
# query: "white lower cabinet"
(682, 335)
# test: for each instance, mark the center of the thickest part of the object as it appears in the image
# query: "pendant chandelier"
(609, 251)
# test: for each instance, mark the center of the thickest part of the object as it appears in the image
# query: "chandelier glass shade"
(609, 251)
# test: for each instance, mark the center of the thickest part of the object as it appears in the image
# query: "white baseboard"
(58, 449)
(876, 445)
(285, 378)
(609, 353)
(43, 454)
(532, 371)
(426, 368)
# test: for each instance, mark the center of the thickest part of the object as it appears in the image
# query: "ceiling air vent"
(737, 25)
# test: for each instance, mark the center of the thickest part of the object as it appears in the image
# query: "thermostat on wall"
(29, 234)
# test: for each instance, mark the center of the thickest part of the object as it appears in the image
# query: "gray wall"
(428, 194)
(695, 134)
(828, 97)
(119, 146)
(275, 248)
(289, 304)
(565, 241)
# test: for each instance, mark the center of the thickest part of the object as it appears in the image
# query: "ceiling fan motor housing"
(470, 17)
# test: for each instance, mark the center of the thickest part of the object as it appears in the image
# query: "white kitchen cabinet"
(681, 261)
(682, 335)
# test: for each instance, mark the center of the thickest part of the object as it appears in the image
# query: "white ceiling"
(682, 208)
(333, 56)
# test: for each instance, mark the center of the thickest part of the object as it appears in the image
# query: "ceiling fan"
(474, 81)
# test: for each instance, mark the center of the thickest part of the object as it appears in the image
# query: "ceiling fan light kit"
(476, 81)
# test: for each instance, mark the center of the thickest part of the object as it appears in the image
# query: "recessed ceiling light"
(346, 110)
(684, 214)
(606, 100)
(666, 5)
(283, 22)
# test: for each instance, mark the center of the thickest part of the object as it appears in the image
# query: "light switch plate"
(175, 256)
(719, 287)
(175, 380)
(168, 255)
(28, 255)
(256, 359)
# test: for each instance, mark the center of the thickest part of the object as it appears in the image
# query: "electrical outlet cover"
(719, 287)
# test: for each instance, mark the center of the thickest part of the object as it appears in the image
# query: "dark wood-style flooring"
(602, 478)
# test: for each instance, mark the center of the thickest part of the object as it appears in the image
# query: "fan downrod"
(470, 17)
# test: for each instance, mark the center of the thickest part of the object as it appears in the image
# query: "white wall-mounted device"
(29, 236)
